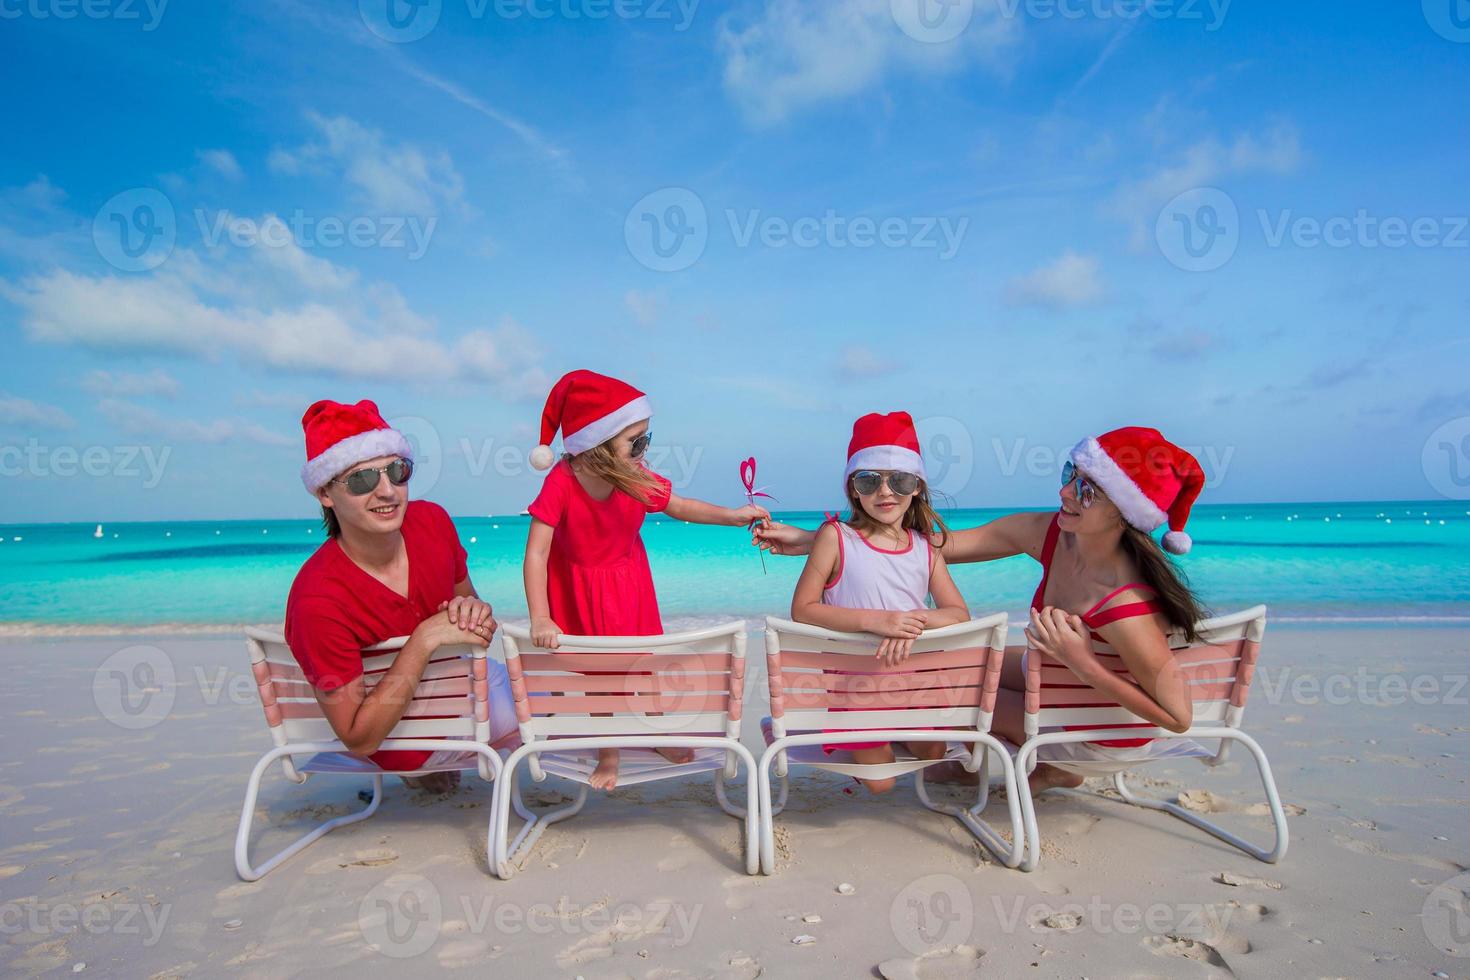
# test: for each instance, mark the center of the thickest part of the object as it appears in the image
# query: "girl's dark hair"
(921, 515)
(329, 522)
(1177, 601)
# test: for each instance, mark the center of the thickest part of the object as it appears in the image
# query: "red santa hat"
(885, 442)
(1152, 481)
(339, 436)
(589, 409)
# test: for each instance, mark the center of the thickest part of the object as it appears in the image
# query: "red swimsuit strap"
(1053, 532)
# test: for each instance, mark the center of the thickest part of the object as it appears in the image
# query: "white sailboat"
(97, 533)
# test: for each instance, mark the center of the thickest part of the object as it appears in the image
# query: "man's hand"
(471, 614)
(439, 630)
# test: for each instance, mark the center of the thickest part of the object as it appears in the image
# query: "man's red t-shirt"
(335, 609)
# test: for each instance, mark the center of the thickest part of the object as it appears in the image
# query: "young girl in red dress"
(586, 570)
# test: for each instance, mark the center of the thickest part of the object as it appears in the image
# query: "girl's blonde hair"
(603, 460)
(921, 515)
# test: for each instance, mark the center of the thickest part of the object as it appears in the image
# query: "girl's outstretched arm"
(544, 632)
(702, 512)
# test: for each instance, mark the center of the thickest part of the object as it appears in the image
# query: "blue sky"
(854, 213)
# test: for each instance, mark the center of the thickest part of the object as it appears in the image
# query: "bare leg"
(868, 757)
(1009, 723)
(605, 776)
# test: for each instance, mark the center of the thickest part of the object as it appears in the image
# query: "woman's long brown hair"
(1177, 601)
(921, 515)
(603, 461)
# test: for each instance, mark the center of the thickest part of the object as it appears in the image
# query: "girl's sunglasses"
(867, 482)
(640, 444)
(1086, 492)
(364, 481)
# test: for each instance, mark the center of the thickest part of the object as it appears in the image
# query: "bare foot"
(434, 784)
(1050, 777)
(605, 776)
(677, 755)
(952, 772)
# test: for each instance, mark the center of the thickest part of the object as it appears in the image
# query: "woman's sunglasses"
(1086, 492)
(640, 444)
(365, 481)
(867, 482)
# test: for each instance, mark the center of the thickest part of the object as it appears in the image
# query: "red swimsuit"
(1096, 620)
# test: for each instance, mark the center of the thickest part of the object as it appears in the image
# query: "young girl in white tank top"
(876, 572)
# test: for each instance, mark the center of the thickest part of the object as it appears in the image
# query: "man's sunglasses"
(1086, 492)
(365, 481)
(640, 444)
(867, 482)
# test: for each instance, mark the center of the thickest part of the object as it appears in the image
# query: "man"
(389, 567)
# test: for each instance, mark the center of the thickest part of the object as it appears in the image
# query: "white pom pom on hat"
(542, 457)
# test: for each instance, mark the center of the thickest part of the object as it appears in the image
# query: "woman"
(1103, 578)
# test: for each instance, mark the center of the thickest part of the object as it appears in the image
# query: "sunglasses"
(364, 481)
(640, 444)
(867, 482)
(1086, 492)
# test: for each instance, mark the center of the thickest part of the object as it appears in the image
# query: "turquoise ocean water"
(1403, 562)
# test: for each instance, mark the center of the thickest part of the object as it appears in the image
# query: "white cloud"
(1070, 282)
(139, 420)
(796, 54)
(858, 362)
(126, 385)
(392, 178)
(645, 306)
(222, 162)
(15, 410)
(1276, 151)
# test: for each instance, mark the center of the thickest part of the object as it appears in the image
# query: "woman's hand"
(749, 514)
(545, 633)
(1063, 637)
(782, 539)
(470, 613)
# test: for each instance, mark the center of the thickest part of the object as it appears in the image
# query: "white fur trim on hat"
(596, 433)
(886, 458)
(371, 444)
(1090, 457)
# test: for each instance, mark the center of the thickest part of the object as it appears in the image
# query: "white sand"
(115, 850)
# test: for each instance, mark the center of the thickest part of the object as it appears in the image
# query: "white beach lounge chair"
(449, 711)
(945, 691)
(1217, 667)
(675, 690)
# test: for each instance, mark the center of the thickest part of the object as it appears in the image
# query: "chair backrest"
(824, 679)
(1217, 667)
(689, 683)
(450, 701)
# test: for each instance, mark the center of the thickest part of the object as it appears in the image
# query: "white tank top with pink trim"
(875, 578)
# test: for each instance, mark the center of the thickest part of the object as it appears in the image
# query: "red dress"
(598, 582)
(1095, 621)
